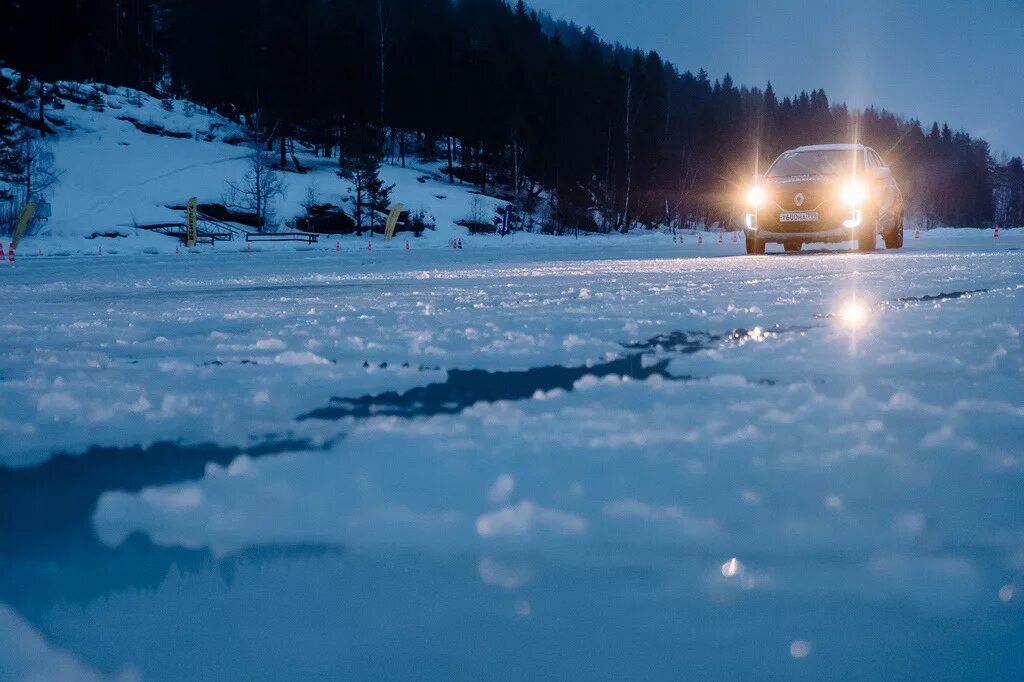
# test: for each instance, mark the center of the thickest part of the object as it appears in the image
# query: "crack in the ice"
(464, 388)
(691, 342)
(43, 528)
(221, 363)
(941, 297)
(31, 585)
(927, 298)
(34, 516)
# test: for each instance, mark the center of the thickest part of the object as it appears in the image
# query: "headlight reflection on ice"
(854, 313)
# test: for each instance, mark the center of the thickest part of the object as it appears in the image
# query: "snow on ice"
(685, 417)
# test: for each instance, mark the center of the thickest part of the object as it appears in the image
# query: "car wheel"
(866, 240)
(894, 239)
(790, 247)
(755, 246)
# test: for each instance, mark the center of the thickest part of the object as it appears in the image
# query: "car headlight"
(854, 193)
(755, 196)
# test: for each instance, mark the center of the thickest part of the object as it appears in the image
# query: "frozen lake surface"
(515, 464)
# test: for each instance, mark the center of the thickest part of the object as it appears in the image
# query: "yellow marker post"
(389, 228)
(24, 219)
(191, 229)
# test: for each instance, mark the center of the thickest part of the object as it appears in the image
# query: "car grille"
(772, 224)
(812, 199)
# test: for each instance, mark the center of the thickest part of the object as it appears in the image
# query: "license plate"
(798, 216)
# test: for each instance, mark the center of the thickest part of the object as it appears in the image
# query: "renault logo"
(798, 199)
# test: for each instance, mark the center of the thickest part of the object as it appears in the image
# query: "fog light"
(854, 219)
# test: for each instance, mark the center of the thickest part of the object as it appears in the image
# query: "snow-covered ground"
(604, 458)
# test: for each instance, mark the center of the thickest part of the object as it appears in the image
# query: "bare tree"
(27, 162)
(451, 169)
(383, 21)
(630, 123)
(28, 174)
(312, 200)
(38, 175)
(261, 184)
(518, 154)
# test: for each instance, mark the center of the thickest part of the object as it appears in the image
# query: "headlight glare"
(755, 196)
(854, 193)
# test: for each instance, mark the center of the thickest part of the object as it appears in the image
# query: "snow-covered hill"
(124, 165)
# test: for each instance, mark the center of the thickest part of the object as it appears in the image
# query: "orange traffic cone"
(700, 237)
(337, 247)
(369, 245)
(720, 238)
(995, 233)
(10, 252)
(734, 237)
(917, 232)
(99, 252)
(406, 244)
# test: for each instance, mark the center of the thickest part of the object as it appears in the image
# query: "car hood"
(804, 180)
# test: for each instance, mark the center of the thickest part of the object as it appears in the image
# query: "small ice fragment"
(1006, 593)
(800, 648)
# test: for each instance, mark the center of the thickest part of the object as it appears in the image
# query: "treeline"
(569, 127)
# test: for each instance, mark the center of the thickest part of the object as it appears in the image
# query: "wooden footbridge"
(201, 228)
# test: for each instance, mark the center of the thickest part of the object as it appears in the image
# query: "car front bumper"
(807, 232)
(838, 234)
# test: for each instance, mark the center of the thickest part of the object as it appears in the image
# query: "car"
(824, 193)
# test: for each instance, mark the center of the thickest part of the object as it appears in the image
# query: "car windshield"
(821, 162)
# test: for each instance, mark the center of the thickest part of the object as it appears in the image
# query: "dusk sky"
(961, 62)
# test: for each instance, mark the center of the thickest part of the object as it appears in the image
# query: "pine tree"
(363, 172)
(378, 196)
(361, 166)
(10, 129)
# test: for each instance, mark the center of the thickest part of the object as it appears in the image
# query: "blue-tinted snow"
(829, 501)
